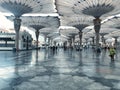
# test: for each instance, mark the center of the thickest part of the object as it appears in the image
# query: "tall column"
(37, 36)
(54, 43)
(93, 42)
(17, 24)
(65, 43)
(80, 37)
(97, 25)
(49, 40)
(45, 39)
(6, 43)
(102, 38)
(86, 39)
(73, 42)
(104, 41)
(116, 41)
(70, 41)
(45, 42)
(27, 43)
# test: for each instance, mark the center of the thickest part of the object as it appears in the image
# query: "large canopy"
(78, 21)
(69, 31)
(95, 8)
(20, 7)
(38, 22)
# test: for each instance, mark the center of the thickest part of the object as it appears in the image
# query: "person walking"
(112, 53)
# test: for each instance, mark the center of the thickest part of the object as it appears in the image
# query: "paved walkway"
(61, 70)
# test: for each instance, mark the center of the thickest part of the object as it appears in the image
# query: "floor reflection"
(67, 68)
(80, 57)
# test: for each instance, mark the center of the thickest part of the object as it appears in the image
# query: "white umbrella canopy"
(90, 34)
(77, 39)
(64, 36)
(45, 21)
(85, 36)
(75, 19)
(108, 24)
(60, 39)
(112, 23)
(20, 7)
(52, 34)
(108, 30)
(118, 39)
(108, 36)
(85, 39)
(110, 40)
(38, 22)
(86, 30)
(57, 36)
(69, 31)
(87, 33)
(95, 8)
(115, 34)
(78, 21)
(49, 30)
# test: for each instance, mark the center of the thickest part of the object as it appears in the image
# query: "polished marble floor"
(60, 70)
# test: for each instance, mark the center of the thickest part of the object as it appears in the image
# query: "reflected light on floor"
(6, 72)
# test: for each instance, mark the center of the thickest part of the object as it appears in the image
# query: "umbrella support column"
(17, 24)
(37, 36)
(97, 25)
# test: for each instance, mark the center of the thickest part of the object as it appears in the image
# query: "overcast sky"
(5, 23)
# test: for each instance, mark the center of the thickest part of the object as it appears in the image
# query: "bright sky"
(5, 23)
